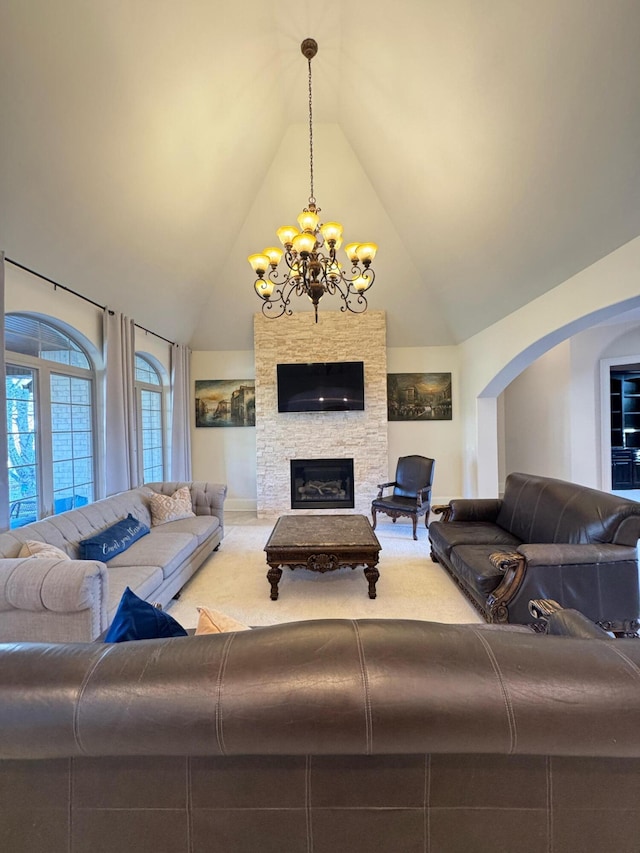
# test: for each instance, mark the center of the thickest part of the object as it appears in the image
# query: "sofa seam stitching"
(83, 687)
(365, 685)
(505, 693)
(219, 685)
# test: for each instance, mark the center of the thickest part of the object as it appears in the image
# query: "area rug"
(234, 580)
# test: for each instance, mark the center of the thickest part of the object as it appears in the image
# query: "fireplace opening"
(322, 484)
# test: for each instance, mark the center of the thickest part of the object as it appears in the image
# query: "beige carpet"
(234, 580)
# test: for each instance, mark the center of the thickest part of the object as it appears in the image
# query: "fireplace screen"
(322, 484)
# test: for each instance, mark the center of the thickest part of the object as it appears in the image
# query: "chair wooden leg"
(414, 519)
(373, 516)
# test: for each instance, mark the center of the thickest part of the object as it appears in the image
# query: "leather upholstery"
(575, 544)
(411, 495)
(376, 736)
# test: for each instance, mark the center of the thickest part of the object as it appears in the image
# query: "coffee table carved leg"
(273, 576)
(372, 574)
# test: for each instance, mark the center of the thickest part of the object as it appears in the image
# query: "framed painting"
(225, 402)
(419, 396)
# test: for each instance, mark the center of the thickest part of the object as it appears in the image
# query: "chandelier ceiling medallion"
(312, 268)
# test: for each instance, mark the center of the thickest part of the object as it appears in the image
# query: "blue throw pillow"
(112, 540)
(136, 619)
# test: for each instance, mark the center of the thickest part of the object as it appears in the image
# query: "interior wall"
(440, 440)
(494, 357)
(537, 418)
(552, 410)
(225, 454)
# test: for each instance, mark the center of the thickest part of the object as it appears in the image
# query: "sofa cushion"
(136, 619)
(168, 552)
(166, 508)
(474, 568)
(42, 550)
(112, 540)
(446, 535)
(200, 526)
(143, 580)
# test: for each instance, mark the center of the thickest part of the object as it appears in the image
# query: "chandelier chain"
(311, 196)
(311, 267)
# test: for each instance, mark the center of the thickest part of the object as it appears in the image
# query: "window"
(149, 399)
(50, 415)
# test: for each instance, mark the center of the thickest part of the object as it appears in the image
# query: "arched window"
(149, 403)
(50, 420)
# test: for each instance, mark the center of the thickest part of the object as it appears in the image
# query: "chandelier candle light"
(310, 253)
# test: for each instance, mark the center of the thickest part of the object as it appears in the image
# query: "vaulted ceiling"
(491, 149)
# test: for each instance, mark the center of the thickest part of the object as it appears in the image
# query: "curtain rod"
(57, 284)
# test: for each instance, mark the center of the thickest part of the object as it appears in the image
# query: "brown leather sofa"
(326, 736)
(545, 538)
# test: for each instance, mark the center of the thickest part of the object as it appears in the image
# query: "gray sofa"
(56, 600)
(332, 736)
(545, 538)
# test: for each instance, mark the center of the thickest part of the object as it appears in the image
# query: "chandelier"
(312, 268)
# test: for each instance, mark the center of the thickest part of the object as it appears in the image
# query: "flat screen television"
(327, 386)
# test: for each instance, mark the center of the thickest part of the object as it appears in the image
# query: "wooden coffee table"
(322, 543)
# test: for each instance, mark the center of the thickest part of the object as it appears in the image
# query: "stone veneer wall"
(361, 436)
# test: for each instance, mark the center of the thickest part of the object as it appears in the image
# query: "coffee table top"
(340, 531)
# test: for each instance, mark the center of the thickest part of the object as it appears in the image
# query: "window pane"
(62, 445)
(72, 440)
(34, 337)
(21, 445)
(151, 435)
(146, 372)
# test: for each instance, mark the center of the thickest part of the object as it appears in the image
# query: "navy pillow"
(112, 540)
(136, 619)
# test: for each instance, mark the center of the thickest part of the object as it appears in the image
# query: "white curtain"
(4, 475)
(180, 455)
(121, 446)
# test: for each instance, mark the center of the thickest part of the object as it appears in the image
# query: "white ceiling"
(491, 149)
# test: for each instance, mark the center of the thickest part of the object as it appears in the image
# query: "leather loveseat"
(545, 538)
(69, 599)
(332, 736)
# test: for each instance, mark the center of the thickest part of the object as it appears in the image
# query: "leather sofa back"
(324, 687)
(545, 510)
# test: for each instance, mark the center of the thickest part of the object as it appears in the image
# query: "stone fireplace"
(357, 435)
(322, 484)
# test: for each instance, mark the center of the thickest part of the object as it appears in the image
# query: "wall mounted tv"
(327, 386)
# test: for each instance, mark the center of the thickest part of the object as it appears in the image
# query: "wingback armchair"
(411, 495)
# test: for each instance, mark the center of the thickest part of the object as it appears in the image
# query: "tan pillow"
(215, 622)
(33, 548)
(170, 507)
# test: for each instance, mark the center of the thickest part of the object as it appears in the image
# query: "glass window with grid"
(50, 414)
(150, 420)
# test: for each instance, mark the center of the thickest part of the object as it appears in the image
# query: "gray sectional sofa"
(75, 600)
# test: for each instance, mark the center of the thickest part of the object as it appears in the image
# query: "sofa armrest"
(562, 554)
(470, 509)
(599, 579)
(51, 586)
